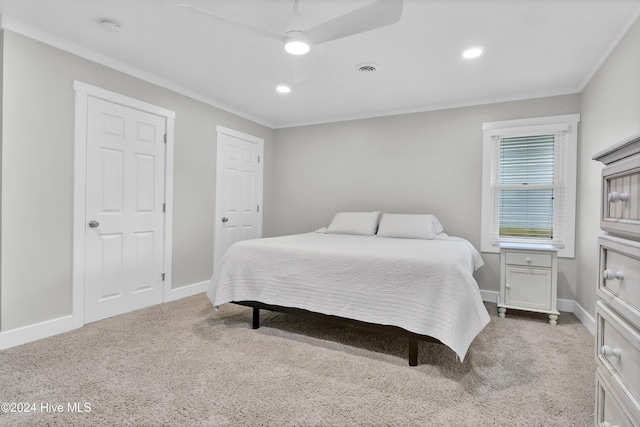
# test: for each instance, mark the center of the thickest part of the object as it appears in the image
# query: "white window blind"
(529, 187)
(529, 174)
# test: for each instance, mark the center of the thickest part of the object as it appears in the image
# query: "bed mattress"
(423, 286)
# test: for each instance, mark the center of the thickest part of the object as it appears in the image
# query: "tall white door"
(238, 189)
(124, 209)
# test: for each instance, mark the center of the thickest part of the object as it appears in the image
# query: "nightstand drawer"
(528, 259)
(618, 350)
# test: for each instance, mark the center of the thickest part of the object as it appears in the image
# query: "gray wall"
(37, 176)
(427, 162)
(423, 162)
(431, 162)
(610, 107)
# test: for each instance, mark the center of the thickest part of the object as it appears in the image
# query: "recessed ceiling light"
(283, 89)
(474, 52)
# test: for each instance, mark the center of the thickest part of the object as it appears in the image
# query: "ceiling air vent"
(110, 26)
(367, 68)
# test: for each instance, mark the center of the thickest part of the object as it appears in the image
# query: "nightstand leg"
(502, 312)
(553, 319)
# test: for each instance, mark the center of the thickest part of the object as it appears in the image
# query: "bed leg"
(413, 352)
(256, 318)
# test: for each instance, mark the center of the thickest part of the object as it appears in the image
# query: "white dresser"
(618, 288)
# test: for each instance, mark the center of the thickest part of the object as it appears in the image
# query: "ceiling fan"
(298, 37)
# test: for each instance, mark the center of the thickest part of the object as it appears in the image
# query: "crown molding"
(423, 108)
(614, 43)
(16, 26)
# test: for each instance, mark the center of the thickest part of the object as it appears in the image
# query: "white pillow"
(361, 223)
(407, 226)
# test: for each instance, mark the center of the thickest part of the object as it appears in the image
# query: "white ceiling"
(531, 48)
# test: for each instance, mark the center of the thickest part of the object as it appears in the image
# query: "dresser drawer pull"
(609, 274)
(608, 351)
(614, 196)
(607, 424)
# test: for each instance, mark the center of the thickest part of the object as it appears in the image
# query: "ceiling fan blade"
(256, 30)
(375, 15)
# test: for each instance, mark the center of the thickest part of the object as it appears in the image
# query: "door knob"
(94, 224)
(225, 219)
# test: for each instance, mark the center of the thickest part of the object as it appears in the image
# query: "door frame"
(221, 130)
(82, 92)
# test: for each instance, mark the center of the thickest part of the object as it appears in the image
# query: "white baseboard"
(567, 305)
(187, 291)
(35, 332)
(489, 296)
(587, 320)
(57, 326)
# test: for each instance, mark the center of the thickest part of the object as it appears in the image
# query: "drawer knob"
(528, 259)
(608, 351)
(614, 196)
(609, 274)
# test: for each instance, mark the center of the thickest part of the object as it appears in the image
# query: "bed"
(421, 287)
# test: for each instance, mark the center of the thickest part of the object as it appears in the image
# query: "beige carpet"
(182, 363)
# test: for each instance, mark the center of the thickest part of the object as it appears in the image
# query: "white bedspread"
(423, 286)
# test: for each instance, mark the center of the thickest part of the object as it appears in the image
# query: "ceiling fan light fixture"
(297, 43)
(474, 52)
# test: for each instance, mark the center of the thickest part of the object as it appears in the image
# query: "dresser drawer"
(610, 407)
(620, 206)
(618, 351)
(528, 259)
(619, 276)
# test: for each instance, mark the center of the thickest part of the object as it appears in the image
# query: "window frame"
(507, 128)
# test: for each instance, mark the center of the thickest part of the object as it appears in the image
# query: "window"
(529, 182)
(525, 187)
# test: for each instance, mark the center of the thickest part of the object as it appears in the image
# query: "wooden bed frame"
(392, 330)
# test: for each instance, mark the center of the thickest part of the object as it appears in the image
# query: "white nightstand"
(529, 279)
